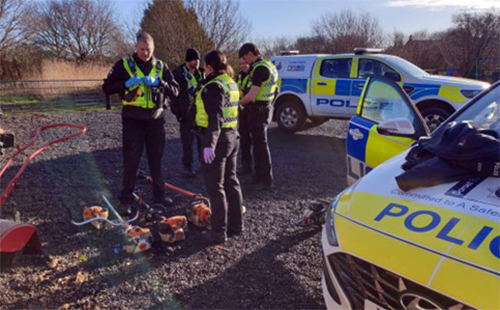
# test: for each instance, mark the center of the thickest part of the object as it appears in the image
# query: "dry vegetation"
(65, 70)
(56, 79)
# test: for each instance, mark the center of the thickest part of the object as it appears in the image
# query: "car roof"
(316, 56)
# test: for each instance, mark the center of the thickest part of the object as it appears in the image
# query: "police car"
(427, 248)
(320, 87)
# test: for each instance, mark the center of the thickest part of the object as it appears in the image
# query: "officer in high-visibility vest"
(188, 76)
(244, 84)
(217, 122)
(145, 85)
(258, 101)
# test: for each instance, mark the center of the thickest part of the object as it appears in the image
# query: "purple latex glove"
(208, 154)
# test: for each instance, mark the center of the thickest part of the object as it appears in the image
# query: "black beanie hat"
(192, 54)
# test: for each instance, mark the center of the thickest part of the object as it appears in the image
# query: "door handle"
(321, 83)
(356, 134)
(359, 86)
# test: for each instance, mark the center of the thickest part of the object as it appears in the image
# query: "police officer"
(217, 120)
(144, 83)
(258, 101)
(244, 84)
(188, 76)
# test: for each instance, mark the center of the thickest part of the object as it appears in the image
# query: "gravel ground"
(274, 265)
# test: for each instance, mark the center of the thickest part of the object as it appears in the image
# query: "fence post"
(108, 103)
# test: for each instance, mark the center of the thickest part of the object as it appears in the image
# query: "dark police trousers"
(259, 117)
(245, 140)
(223, 185)
(138, 134)
(187, 138)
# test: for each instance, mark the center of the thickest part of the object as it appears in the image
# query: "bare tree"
(12, 30)
(421, 48)
(474, 36)
(76, 29)
(273, 46)
(222, 22)
(313, 44)
(17, 57)
(345, 30)
(174, 29)
(397, 39)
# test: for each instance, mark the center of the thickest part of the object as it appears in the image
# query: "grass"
(16, 99)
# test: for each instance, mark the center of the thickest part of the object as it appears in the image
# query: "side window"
(382, 102)
(386, 69)
(367, 67)
(336, 68)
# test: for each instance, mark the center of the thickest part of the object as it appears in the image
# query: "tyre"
(290, 116)
(434, 116)
(318, 120)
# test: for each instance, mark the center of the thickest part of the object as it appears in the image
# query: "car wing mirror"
(396, 127)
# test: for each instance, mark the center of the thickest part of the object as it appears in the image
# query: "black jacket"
(115, 84)
(181, 106)
(457, 151)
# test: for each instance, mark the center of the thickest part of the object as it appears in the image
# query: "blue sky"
(293, 18)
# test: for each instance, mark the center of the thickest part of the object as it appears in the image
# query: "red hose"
(13, 182)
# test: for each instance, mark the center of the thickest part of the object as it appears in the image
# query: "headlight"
(470, 93)
(330, 215)
(330, 221)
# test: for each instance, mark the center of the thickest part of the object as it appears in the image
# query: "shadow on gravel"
(251, 283)
(273, 266)
(307, 166)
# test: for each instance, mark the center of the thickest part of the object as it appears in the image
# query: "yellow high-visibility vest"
(268, 88)
(230, 107)
(143, 93)
(244, 84)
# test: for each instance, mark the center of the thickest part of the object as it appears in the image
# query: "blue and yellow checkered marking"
(355, 90)
(357, 148)
(373, 149)
(332, 87)
(298, 86)
(343, 87)
(423, 90)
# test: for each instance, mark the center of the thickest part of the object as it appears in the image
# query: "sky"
(293, 18)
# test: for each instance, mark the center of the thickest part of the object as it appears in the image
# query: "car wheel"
(318, 120)
(291, 116)
(434, 116)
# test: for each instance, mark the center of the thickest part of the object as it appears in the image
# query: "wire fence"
(26, 96)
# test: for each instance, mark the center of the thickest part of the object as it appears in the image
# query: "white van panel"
(295, 67)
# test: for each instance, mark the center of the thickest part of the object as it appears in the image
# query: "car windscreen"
(406, 66)
(485, 112)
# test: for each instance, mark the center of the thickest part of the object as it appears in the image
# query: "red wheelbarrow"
(16, 237)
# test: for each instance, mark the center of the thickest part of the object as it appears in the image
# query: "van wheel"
(434, 116)
(291, 116)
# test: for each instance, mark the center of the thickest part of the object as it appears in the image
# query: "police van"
(434, 247)
(320, 87)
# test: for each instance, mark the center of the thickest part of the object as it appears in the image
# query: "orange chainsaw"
(314, 216)
(198, 212)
